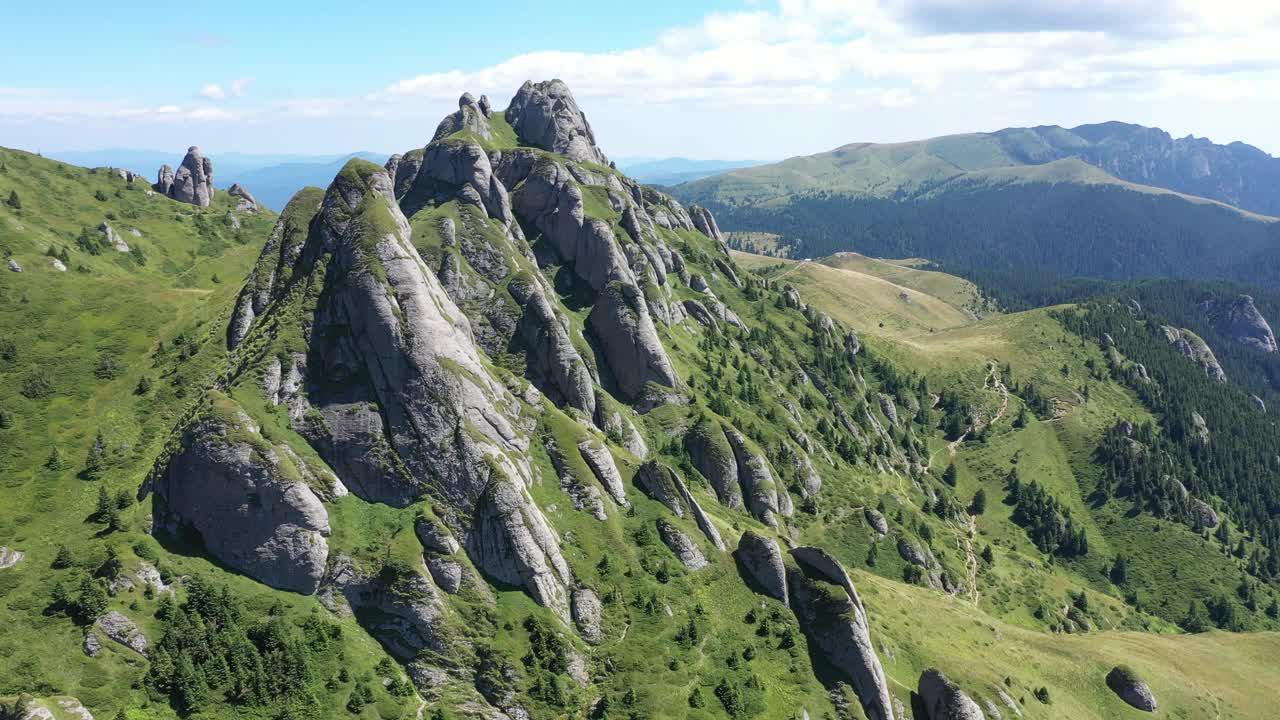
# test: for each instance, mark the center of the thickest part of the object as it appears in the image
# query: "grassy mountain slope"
(876, 429)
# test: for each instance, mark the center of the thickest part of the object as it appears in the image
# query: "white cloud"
(213, 92)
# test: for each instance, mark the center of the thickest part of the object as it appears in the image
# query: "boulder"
(119, 628)
(944, 700)
(852, 345)
(629, 342)
(545, 115)
(699, 312)
(760, 561)
(92, 644)
(59, 265)
(447, 573)
(246, 499)
(1203, 513)
(10, 557)
(1124, 682)
(1240, 320)
(685, 549)
(192, 183)
(112, 238)
(833, 617)
(434, 536)
(587, 612)
(245, 202)
(876, 521)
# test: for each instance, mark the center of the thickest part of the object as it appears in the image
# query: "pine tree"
(950, 475)
(96, 462)
(63, 559)
(91, 601)
(15, 202)
(104, 505)
(979, 505)
(55, 461)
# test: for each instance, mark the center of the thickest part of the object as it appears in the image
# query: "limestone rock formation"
(761, 561)
(876, 521)
(761, 493)
(245, 202)
(112, 238)
(511, 542)
(248, 500)
(554, 361)
(1240, 319)
(1194, 348)
(405, 613)
(1203, 513)
(944, 700)
(685, 549)
(545, 115)
(705, 222)
(620, 321)
(712, 455)
(1124, 682)
(663, 484)
(192, 183)
(121, 629)
(470, 117)
(600, 460)
(587, 612)
(92, 645)
(832, 614)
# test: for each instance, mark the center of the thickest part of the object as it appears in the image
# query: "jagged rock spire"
(545, 115)
(193, 181)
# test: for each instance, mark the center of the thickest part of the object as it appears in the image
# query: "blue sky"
(728, 79)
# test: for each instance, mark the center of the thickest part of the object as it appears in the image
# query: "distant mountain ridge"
(676, 170)
(1237, 174)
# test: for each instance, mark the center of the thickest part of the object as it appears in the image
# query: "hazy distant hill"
(673, 171)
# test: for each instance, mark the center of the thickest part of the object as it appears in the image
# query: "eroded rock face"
(663, 484)
(545, 115)
(512, 543)
(759, 490)
(553, 361)
(685, 549)
(247, 500)
(1240, 319)
(587, 612)
(471, 116)
(600, 460)
(401, 609)
(876, 521)
(944, 699)
(121, 629)
(761, 561)
(832, 614)
(712, 455)
(1124, 682)
(192, 183)
(620, 322)
(164, 180)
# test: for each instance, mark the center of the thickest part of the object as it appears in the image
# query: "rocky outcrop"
(245, 202)
(621, 324)
(10, 557)
(920, 556)
(470, 117)
(1199, 427)
(164, 180)
(119, 628)
(876, 521)
(705, 223)
(712, 455)
(1203, 514)
(1240, 320)
(759, 490)
(685, 549)
(852, 346)
(587, 612)
(193, 181)
(944, 700)
(760, 561)
(112, 238)
(14, 266)
(600, 460)
(246, 499)
(397, 605)
(1194, 348)
(663, 484)
(92, 645)
(1124, 682)
(511, 542)
(833, 617)
(545, 115)
(274, 269)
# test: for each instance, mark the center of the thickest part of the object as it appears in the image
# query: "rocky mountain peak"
(1241, 320)
(471, 115)
(545, 115)
(192, 183)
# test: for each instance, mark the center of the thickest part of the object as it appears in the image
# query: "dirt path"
(971, 560)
